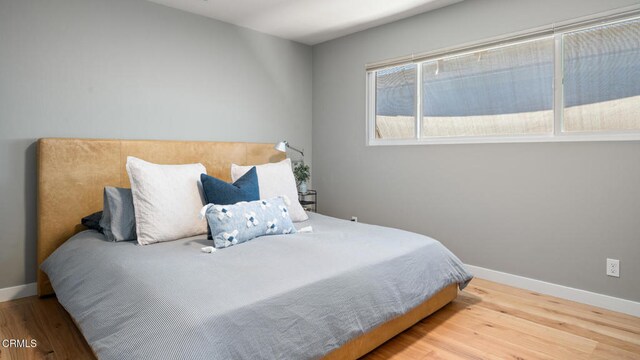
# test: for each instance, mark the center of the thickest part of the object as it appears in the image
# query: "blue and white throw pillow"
(243, 221)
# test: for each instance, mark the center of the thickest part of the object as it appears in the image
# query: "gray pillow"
(118, 217)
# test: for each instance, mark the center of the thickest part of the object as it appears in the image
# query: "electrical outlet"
(613, 267)
(354, 218)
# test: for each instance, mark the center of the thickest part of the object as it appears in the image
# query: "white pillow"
(275, 180)
(166, 199)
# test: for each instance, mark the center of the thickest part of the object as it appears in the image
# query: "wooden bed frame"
(73, 172)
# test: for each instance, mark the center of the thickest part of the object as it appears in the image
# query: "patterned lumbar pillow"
(275, 180)
(241, 222)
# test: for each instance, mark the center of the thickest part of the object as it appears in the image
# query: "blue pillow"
(221, 192)
(241, 222)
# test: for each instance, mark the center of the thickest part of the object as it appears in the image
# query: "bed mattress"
(294, 296)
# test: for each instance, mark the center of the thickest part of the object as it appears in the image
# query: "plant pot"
(303, 187)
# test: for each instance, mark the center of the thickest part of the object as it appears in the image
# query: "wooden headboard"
(73, 172)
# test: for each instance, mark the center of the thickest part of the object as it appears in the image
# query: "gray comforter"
(276, 297)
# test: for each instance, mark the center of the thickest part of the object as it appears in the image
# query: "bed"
(337, 292)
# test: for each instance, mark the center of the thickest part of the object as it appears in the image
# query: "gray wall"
(135, 70)
(549, 211)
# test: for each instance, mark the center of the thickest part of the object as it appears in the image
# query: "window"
(396, 102)
(602, 78)
(577, 84)
(502, 91)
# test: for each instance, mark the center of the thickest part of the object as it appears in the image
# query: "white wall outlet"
(613, 267)
(354, 218)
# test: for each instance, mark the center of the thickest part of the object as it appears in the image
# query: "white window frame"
(557, 135)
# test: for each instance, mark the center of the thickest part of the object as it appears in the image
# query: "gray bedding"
(275, 297)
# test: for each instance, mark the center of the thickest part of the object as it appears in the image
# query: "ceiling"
(307, 21)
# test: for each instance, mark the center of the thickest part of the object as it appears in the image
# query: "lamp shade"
(281, 146)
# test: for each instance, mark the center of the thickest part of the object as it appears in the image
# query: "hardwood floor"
(486, 321)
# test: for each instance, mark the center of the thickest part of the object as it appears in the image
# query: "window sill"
(507, 139)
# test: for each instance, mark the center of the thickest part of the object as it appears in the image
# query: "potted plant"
(302, 173)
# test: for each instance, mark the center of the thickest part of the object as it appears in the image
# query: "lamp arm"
(294, 149)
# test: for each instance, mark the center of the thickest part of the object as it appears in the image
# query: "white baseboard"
(17, 292)
(564, 292)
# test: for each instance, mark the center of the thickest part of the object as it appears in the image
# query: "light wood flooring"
(486, 321)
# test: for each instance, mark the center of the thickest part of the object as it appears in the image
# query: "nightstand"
(309, 200)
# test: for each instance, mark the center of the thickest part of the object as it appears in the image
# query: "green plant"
(302, 172)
